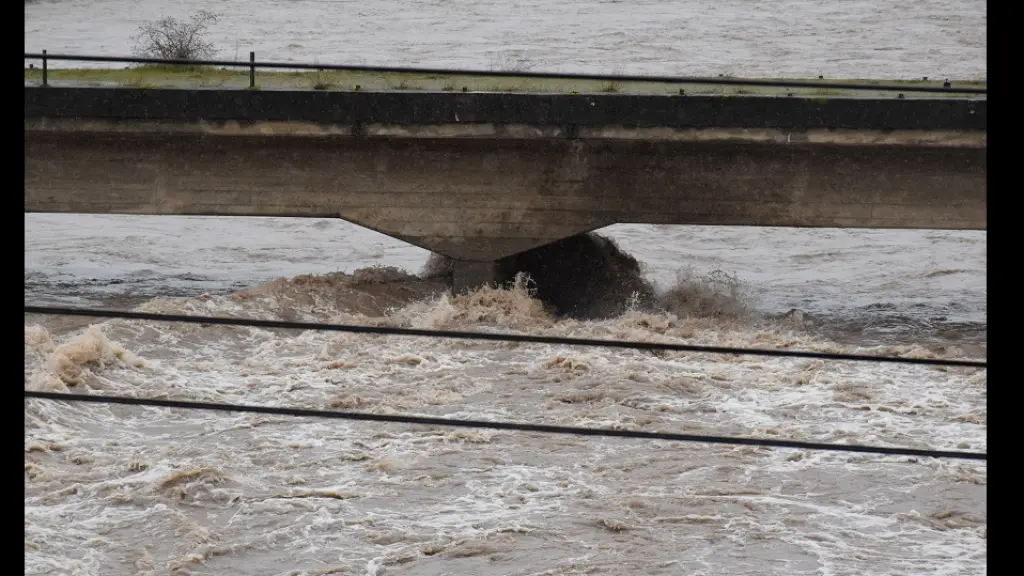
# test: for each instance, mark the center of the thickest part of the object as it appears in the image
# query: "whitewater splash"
(183, 491)
(118, 490)
(588, 276)
(157, 491)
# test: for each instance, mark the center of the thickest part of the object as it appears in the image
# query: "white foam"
(118, 490)
(417, 482)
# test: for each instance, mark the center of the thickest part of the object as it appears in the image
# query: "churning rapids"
(132, 491)
(150, 491)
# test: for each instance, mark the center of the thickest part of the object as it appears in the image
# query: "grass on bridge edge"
(149, 76)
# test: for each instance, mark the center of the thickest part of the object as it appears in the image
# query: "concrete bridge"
(482, 176)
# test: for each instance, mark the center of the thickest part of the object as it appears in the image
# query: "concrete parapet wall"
(264, 128)
(566, 110)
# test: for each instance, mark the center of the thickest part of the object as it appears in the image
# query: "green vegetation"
(208, 77)
(185, 39)
(320, 81)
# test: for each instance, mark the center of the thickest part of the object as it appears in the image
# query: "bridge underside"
(483, 199)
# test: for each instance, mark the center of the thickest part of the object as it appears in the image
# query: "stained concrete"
(566, 110)
(480, 192)
(468, 276)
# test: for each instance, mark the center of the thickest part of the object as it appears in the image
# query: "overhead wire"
(486, 424)
(490, 336)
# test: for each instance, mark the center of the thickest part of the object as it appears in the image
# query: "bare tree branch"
(175, 39)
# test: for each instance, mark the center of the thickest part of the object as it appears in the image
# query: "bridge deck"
(483, 176)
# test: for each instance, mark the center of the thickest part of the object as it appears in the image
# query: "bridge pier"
(468, 276)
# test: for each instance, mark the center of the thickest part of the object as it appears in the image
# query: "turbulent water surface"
(120, 490)
(800, 38)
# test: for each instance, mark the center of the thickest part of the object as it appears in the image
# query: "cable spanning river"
(122, 490)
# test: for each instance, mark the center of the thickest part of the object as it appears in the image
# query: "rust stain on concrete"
(913, 138)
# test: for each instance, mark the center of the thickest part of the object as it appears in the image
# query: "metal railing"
(253, 65)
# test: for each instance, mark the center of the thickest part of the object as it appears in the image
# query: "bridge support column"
(468, 276)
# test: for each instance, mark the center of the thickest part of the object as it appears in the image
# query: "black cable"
(504, 74)
(542, 428)
(557, 340)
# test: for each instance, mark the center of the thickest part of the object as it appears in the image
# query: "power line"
(509, 74)
(542, 428)
(556, 340)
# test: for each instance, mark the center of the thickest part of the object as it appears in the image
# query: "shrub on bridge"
(175, 39)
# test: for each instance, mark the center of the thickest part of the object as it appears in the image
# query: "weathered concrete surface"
(565, 110)
(483, 191)
(942, 138)
(483, 199)
(468, 276)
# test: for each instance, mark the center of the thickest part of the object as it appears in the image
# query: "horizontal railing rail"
(253, 65)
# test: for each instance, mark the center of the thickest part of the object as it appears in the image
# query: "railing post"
(252, 69)
(44, 67)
